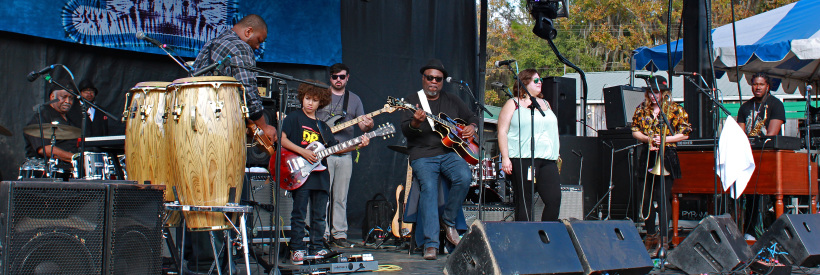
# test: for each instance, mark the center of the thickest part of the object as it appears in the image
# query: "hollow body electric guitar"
(296, 169)
(338, 126)
(450, 130)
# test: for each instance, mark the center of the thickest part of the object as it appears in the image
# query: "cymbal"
(61, 131)
(4, 131)
(398, 148)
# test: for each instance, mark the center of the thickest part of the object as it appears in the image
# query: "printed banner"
(299, 32)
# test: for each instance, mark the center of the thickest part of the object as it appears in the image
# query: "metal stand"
(242, 209)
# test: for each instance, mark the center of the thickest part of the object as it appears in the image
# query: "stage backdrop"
(299, 32)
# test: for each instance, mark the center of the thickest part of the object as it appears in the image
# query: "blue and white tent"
(784, 42)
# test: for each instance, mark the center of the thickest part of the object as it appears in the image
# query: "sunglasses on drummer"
(340, 76)
(437, 78)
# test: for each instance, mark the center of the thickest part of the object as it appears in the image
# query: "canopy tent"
(784, 42)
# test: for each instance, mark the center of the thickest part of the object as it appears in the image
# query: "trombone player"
(647, 126)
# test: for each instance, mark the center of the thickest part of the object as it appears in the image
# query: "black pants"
(547, 183)
(654, 211)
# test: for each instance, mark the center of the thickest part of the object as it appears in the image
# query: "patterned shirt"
(241, 53)
(643, 120)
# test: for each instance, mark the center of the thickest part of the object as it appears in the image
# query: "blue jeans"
(427, 171)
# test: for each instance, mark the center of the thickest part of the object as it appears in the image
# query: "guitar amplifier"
(491, 212)
(263, 204)
(572, 203)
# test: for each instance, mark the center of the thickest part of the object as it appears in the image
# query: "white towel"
(735, 162)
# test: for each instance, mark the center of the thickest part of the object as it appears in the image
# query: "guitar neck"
(343, 125)
(436, 118)
(344, 145)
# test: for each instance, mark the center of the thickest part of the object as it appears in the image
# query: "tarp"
(784, 42)
(299, 32)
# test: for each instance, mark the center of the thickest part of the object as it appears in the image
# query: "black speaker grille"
(56, 231)
(136, 230)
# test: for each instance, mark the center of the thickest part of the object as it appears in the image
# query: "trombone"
(657, 171)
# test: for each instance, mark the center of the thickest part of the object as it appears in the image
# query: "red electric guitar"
(296, 169)
(450, 130)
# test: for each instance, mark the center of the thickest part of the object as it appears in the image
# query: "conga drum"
(146, 138)
(207, 146)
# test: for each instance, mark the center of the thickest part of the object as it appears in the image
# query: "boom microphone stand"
(480, 131)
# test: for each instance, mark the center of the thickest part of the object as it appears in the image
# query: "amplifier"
(264, 207)
(491, 212)
(572, 202)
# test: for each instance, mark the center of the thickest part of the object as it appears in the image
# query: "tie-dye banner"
(299, 32)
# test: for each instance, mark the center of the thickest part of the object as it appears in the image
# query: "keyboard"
(774, 142)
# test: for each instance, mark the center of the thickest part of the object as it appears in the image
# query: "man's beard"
(430, 93)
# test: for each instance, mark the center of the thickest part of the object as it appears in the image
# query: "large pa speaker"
(560, 93)
(613, 247)
(797, 235)
(620, 103)
(514, 248)
(715, 246)
(80, 228)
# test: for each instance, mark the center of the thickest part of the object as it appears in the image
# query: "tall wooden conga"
(146, 138)
(207, 145)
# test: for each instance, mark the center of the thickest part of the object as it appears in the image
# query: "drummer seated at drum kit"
(56, 123)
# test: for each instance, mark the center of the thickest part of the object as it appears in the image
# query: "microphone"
(644, 76)
(498, 85)
(686, 73)
(212, 66)
(44, 104)
(33, 75)
(504, 62)
(141, 36)
(451, 80)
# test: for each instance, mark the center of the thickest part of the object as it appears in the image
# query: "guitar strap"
(426, 106)
(344, 102)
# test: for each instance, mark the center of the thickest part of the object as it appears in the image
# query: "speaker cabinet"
(560, 93)
(80, 228)
(620, 103)
(715, 246)
(797, 235)
(609, 247)
(514, 248)
(572, 203)
(495, 212)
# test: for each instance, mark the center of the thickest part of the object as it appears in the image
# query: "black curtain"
(385, 43)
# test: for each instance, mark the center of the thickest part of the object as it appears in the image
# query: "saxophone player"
(763, 114)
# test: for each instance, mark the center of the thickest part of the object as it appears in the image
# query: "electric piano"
(779, 171)
(762, 142)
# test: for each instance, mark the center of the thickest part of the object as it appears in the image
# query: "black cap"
(434, 64)
(87, 85)
(658, 83)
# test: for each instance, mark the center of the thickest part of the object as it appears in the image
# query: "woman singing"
(515, 134)
(646, 127)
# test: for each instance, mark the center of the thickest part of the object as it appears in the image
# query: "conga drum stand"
(242, 231)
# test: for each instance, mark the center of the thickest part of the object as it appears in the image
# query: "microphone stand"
(187, 69)
(279, 76)
(608, 194)
(480, 137)
(665, 227)
(533, 105)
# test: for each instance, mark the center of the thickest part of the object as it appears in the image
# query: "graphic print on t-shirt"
(309, 135)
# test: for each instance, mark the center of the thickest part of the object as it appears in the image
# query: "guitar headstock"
(388, 109)
(399, 103)
(384, 130)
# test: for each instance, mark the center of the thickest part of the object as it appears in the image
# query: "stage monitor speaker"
(560, 93)
(80, 228)
(135, 231)
(514, 248)
(613, 247)
(797, 235)
(620, 103)
(492, 212)
(264, 205)
(572, 203)
(715, 246)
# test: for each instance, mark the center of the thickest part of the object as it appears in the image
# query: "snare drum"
(96, 166)
(207, 145)
(32, 168)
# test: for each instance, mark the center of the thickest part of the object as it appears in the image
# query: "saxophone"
(759, 125)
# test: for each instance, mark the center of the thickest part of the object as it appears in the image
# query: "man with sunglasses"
(432, 161)
(344, 105)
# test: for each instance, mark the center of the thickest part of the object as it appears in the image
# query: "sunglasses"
(437, 78)
(536, 80)
(341, 76)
